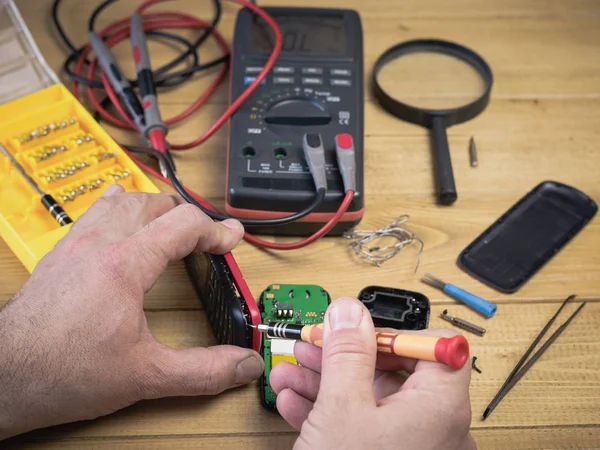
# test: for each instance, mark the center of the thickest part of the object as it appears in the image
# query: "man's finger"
(113, 189)
(387, 383)
(308, 356)
(293, 408)
(199, 371)
(349, 353)
(175, 235)
(301, 380)
(120, 214)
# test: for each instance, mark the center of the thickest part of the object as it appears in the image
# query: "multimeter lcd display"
(304, 35)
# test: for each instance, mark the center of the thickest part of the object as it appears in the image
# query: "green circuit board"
(301, 304)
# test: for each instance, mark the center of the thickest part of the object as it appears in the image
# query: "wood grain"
(562, 388)
(541, 124)
(445, 232)
(556, 438)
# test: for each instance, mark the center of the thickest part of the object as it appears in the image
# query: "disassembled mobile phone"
(301, 304)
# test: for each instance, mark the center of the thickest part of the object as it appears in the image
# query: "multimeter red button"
(344, 141)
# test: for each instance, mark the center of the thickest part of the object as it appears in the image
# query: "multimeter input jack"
(249, 152)
(280, 153)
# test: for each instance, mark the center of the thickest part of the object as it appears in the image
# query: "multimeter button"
(283, 80)
(283, 70)
(339, 82)
(253, 69)
(312, 70)
(340, 72)
(312, 81)
(248, 80)
(344, 141)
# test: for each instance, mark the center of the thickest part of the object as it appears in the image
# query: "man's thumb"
(201, 371)
(349, 353)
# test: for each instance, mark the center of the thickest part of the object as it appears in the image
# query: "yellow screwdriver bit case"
(57, 141)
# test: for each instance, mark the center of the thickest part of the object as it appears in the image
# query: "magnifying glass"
(435, 84)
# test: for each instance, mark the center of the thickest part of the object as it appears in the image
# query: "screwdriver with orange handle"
(453, 351)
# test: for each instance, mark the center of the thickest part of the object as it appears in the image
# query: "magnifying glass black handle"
(443, 164)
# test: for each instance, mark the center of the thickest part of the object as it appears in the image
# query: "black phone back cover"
(526, 237)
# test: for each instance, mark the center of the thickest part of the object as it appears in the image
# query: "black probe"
(48, 201)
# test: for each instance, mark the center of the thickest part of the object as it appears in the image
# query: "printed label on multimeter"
(316, 86)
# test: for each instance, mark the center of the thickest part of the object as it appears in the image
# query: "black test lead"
(48, 201)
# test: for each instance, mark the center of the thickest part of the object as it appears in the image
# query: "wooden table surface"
(542, 124)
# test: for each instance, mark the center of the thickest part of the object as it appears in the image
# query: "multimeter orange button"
(344, 141)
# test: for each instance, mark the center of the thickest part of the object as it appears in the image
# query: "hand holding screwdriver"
(453, 351)
(357, 399)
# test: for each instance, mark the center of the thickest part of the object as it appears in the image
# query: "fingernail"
(112, 190)
(345, 313)
(232, 224)
(248, 370)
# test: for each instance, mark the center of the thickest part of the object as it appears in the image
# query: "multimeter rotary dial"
(293, 112)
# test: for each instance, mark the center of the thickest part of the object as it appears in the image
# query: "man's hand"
(347, 397)
(74, 341)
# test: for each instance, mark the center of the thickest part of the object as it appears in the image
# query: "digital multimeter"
(316, 86)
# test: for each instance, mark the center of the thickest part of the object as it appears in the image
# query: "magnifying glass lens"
(432, 80)
(434, 84)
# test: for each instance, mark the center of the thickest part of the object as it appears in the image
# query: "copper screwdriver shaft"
(461, 323)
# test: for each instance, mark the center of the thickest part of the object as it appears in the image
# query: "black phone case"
(226, 310)
(396, 308)
(527, 236)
